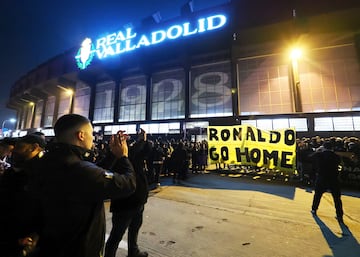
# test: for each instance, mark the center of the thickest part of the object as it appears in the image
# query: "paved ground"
(219, 216)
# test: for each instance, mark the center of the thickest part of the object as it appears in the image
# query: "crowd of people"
(176, 158)
(52, 191)
(170, 158)
(348, 148)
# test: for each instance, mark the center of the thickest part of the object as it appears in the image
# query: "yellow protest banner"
(248, 145)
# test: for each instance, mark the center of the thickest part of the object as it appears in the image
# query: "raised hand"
(118, 144)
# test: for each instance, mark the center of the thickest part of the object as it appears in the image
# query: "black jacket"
(16, 207)
(13, 199)
(327, 164)
(72, 190)
(138, 154)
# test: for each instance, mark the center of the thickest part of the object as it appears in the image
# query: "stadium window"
(356, 120)
(132, 102)
(343, 123)
(210, 90)
(104, 102)
(280, 123)
(265, 124)
(168, 95)
(323, 124)
(300, 124)
(82, 99)
(249, 122)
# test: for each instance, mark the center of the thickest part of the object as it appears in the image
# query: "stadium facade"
(227, 65)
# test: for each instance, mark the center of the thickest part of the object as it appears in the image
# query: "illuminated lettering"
(100, 53)
(220, 19)
(187, 31)
(123, 41)
(128, 46)
(201, 25)
(143, 41)
(100, 43)
(118, 49)
(158, 36)
(129, 35)
(178, 31)
(111, 39)
(109, 51)
(120, 36)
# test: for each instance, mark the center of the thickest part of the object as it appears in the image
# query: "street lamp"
(69, 92)
(295, 54)
(12, 120)
(32, 111)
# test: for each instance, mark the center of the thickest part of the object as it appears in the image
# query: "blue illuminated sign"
(85, 54)
(125, 41)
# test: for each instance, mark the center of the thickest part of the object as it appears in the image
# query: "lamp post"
(32, 116)
(12, 120)
(70, 93)
(295, 79)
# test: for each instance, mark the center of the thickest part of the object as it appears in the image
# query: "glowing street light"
(295, 55)
(12, 120)
(32, 113)
(69, 92)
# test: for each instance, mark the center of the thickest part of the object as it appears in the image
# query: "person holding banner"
(326, 164)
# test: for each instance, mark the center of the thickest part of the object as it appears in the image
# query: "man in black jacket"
(326, 165)
(16, 233)
(71, 190)
(127, 213)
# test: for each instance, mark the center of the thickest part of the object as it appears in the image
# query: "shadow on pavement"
(345, 245)
(211, 181)
(281, 178)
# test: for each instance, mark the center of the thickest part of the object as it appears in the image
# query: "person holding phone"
(127, 213)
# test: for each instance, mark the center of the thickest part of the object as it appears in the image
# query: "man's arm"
(115, 183)
(124, 178)
(121, 183)
(98, 183)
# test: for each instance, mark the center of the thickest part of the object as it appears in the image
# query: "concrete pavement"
(214, 216)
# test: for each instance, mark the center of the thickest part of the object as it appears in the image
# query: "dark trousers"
(157, 170)
(321, 187)
(180, 171)
(127, 219)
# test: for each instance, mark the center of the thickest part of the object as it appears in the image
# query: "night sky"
(33, 32)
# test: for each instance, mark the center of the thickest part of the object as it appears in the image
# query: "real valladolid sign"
(128, 40)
